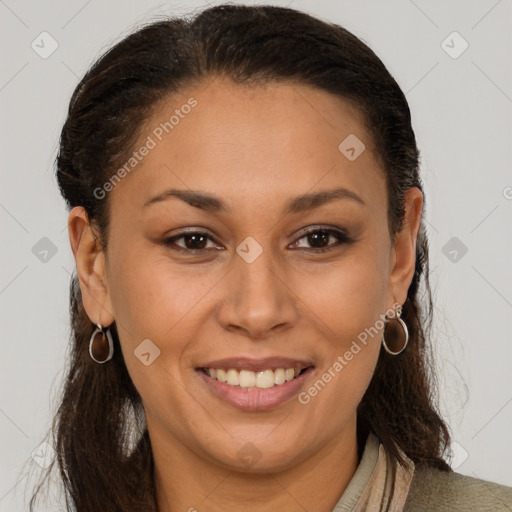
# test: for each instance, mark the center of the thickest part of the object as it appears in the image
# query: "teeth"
(279, 376)
(248, 379)
(289, 374)
(232, 378)
(265, 379)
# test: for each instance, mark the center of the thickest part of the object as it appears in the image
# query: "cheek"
(150, 295)
(351, 306)
(349, 301)
(150, 302)
(331, 401)
(157, 301)
(348, 296)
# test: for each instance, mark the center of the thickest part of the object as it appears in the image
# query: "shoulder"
(436, 490)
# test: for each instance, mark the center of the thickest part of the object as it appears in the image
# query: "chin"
(261, 457)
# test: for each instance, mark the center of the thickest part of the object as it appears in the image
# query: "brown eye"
(319, 239)
(192, 241)
(195, 241)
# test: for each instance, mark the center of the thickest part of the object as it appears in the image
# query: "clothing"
(381, 484)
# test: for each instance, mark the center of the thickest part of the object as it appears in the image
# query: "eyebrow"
(298, 204)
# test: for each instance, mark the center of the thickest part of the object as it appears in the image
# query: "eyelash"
(341, 237)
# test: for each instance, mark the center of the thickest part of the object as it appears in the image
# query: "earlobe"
(404, 251)
(90, 266)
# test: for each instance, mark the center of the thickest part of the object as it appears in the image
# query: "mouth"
(255, 385)
(248, 379)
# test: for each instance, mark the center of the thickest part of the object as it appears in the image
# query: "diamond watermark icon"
(44, 45)
(249, 454)
(458, 455)
(454, 45)
(146, 352)
(43, 455)
(454, 249)
(249, 249)
(44, 250)
(351, 147)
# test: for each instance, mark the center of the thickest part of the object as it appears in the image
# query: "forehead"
(249, 142)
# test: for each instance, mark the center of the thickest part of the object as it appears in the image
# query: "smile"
(255, 385)
(248, 379)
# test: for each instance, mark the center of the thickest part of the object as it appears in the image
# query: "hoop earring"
(397, 341)
(101, 350)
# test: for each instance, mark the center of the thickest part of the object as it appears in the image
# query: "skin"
(254, 148)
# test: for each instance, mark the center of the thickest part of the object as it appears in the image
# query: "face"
(247, 245)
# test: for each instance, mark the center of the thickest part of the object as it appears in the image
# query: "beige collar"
(379, 483)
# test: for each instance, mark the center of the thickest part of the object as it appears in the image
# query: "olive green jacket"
(379, 485)
(432, 489)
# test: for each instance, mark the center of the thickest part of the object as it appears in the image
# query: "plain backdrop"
(453, 61)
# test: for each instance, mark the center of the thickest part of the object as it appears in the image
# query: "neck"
(185, 481)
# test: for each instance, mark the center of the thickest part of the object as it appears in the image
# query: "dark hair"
(251, 46)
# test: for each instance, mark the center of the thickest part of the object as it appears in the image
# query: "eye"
(319, 239)
(192, 241)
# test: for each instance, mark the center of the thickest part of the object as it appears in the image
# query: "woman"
(246, 221)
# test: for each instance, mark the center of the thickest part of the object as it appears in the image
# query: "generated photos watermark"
(342, 360)
(150, 143)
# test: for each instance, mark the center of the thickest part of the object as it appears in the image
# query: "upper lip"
(257, 365)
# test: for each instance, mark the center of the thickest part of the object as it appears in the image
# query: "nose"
(258, 299)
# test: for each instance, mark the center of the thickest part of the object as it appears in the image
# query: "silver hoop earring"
(397, 334)
(101, 348)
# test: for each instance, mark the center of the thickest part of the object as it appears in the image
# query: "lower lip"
(255, 399)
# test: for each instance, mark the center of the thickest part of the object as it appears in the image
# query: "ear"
(403, 258)
(91, 267)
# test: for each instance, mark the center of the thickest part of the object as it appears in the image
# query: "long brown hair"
(250, 45)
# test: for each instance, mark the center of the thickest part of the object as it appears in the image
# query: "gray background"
(461, 107)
